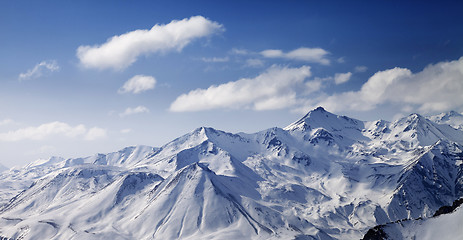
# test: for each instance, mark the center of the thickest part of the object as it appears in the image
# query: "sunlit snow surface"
(324, 177)
(443, 227)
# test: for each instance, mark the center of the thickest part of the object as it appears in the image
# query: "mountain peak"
(415, 117)
(452, 118)
(45, 162)
(320, 109)
(311, 114)
(413, 120)
(204, 131)
(319, 117)
(424, 131)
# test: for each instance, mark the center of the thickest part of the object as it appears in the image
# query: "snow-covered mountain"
(451, 118)
(3, 168)
(18, 179)
(445, 224)
(322, 177)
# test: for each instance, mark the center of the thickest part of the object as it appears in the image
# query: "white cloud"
(276, 102)
(136, 110)
(360, 69)
(138, 84)
(273, 89)
(314, 85)
(437, 88)
(6, 122)
(95, 133)
(254, 62)
(215, 59)
(121, 51)
(39, 69)
(316, 55)
(342, 77)
(341, 60)
(53, 129)
(272, 53)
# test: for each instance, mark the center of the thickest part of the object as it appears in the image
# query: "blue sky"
(80, 77)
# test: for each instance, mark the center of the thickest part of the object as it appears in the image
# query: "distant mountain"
(18, 179)
(451, 118)
(322, 177)
(3, 168)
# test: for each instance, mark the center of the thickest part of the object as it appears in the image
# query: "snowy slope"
(324, 177)
(451, 118)
(445, 225)
(17, 179)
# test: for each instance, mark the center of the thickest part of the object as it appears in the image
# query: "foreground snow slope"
(323, 177)
(444, 225)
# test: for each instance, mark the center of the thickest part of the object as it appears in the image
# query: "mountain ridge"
(324, 177)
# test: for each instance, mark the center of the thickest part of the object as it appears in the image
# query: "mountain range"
(322, 177)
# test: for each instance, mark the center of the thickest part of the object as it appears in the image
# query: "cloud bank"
(53, 129)
(121, 51)
(273, 89)
(315, 55)
(39, 69)
(437, 88)
(138, 84)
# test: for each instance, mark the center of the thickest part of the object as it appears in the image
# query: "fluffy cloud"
(342, 77)
(95, 133)
(272, 53)
(39, 69)
(136, 110)
(437, 88)
(53, 128)
(316, 55)
(138, 84)
(273, 89)
(313, 85)
(121, 51)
